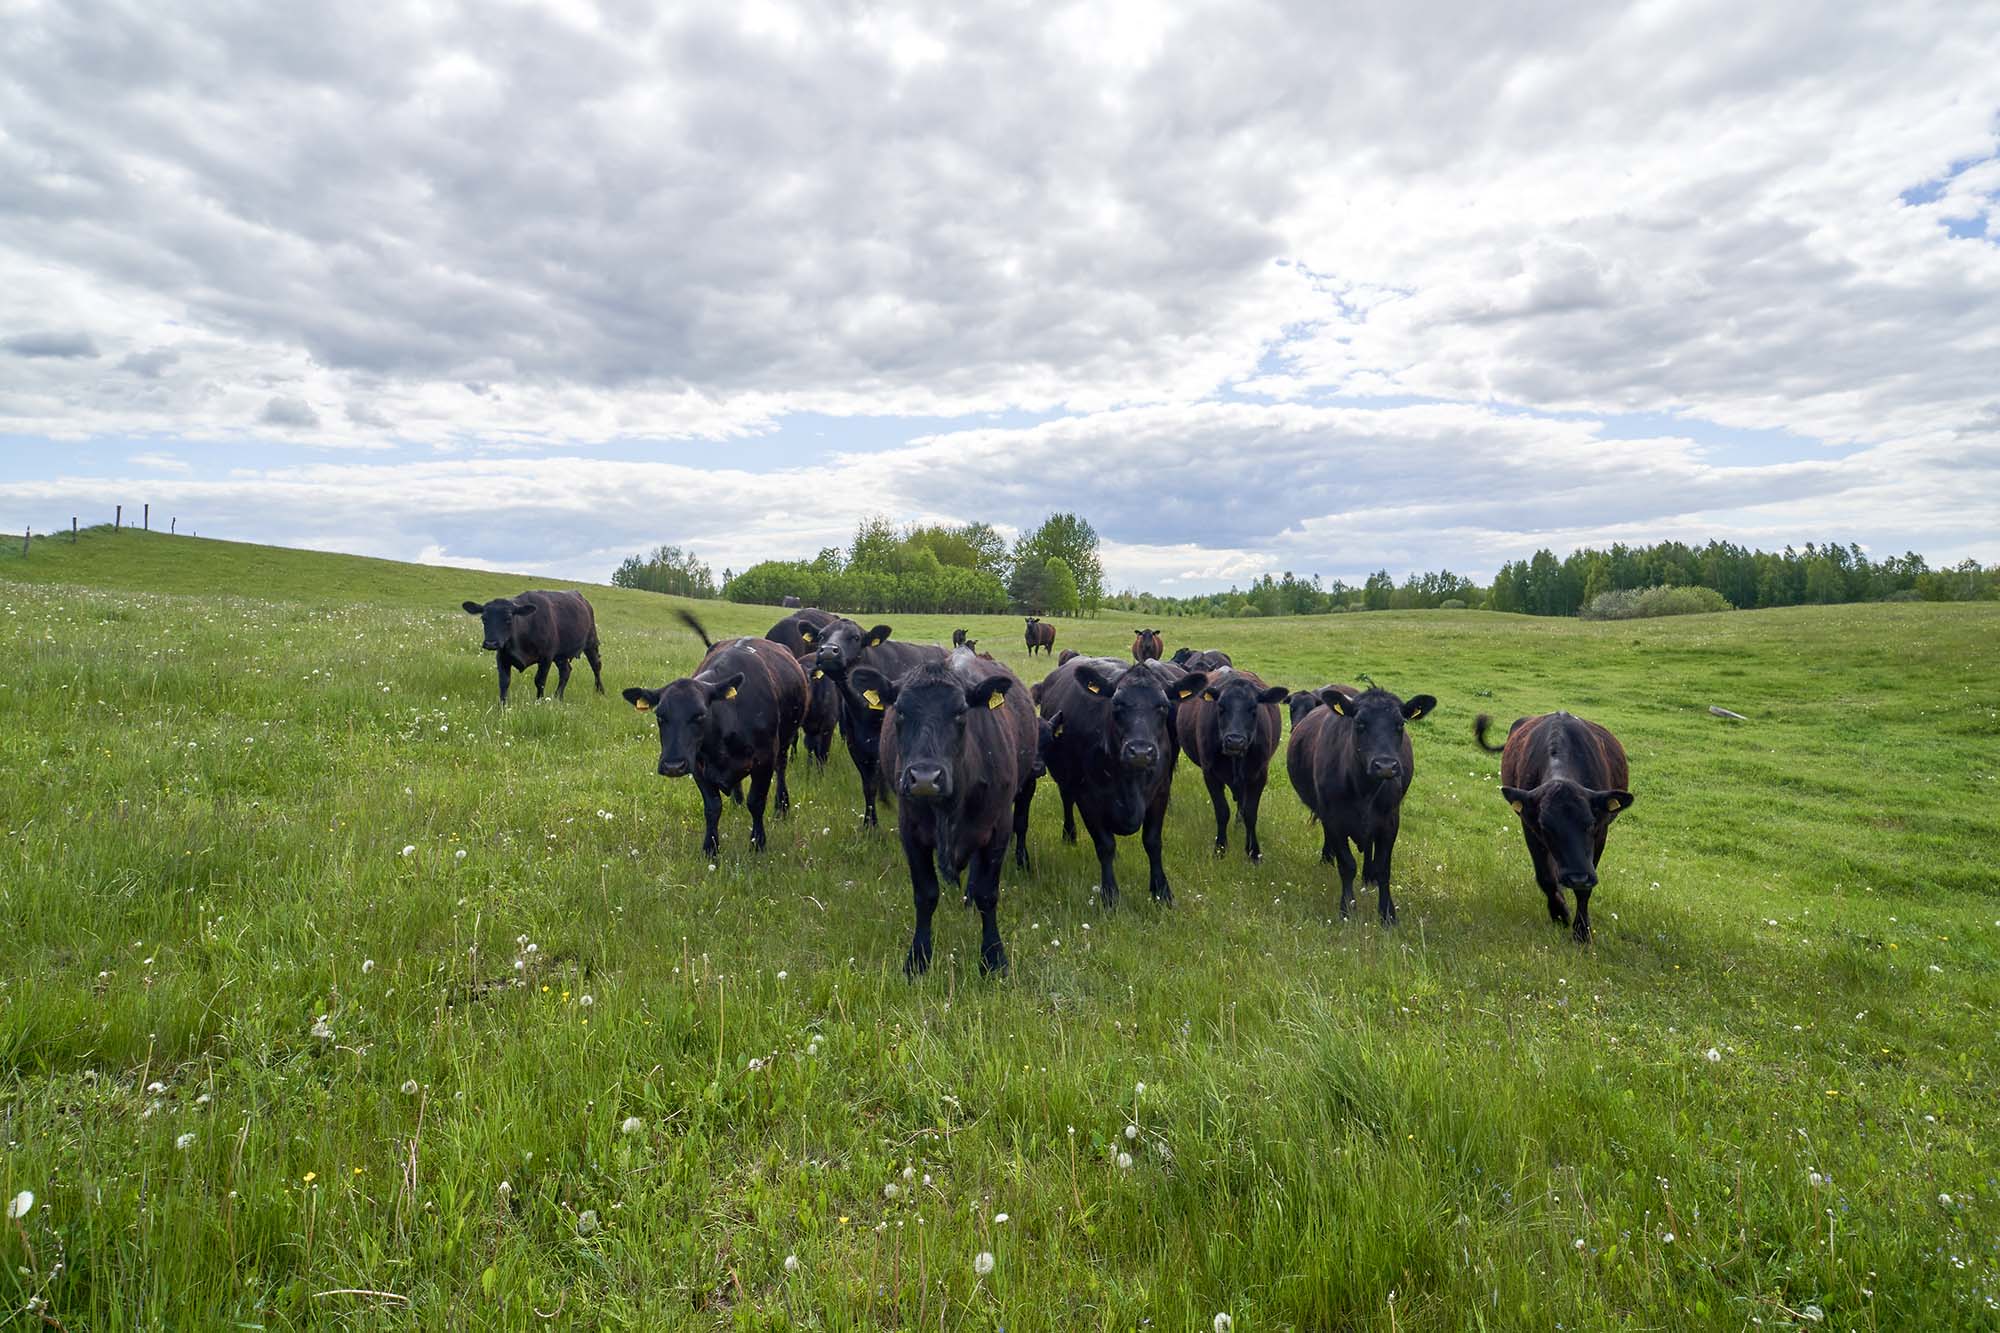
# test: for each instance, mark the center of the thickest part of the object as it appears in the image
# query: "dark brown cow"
(1230, 731)
(1567, 779)
(1147, 646)
(733, 718)
(1040, 634)
(540, 629)
(1351, 763)
(1302, 702)
(1202, 659)
(958, 743)
(1113, 756)
(800, 631)
(822, 709)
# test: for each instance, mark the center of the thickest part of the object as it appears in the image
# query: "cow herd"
(961, 744)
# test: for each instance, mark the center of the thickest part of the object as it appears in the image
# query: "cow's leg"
(983, 880)
(505, 672)
(867, 793)
(562, 675)
(1150, 837)
(1545, 877)
(1385, 847)
(785, 744)
(1247, 803)
(711, 813)
(541, 676)
(1069, 816)
(1220, 801)
(1022, 804)
(760, 789)
(1344, 856)
(1581, 931)
(1107, 853)
(592, 655)
(924, 896)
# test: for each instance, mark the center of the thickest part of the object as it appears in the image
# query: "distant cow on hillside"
(1351, 763)
(1567, 780)
(790, 601)
(1147, 645)
(540, 629)
(958, 637)
(1040, 634)
(733, 718)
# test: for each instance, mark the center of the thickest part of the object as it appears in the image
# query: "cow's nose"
(490, 647)
(1586, 880)
(1141, 756)
(673, 768)
(923, 779)
(1235, 744)
(1384, 769)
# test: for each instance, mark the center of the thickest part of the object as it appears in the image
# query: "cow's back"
(562, 626)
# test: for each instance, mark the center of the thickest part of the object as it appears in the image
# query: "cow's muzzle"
(1580, 880)
(1234, 746)
(675, 768)
(925, 782)
(1140, 755)
(1385, 770)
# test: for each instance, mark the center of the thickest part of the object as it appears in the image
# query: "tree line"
(1056, 570)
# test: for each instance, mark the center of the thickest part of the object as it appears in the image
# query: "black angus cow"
(843, 646)
(1201, 659)
(822, 709)
(1040, 634)
(1113, 756)
(958, 637)
(1147, 645)
(958, 742)
(540, 629)
(800, 631)
(1567, 779)
(1351, 764)
(789, 601)
(1301, 702)
(1230, 731)
(733, 718)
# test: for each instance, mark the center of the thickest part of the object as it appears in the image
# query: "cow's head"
(1301, 703)
(689, 711)
(1237, 701)
(1181, 655)
(1046, 731)
(498, 617)
(1568, 816)
(1377, 719)
(841, 644)
(932, 706)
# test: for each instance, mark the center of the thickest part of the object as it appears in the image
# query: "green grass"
(217, 754)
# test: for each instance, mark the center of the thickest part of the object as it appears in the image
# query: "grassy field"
(326, 978)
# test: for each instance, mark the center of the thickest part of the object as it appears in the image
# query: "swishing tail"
(687, 618)
(1479, 726)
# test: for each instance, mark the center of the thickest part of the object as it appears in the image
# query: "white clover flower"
(909, 1173)
(1131, 1132)
(1714, 1056)
(791, 1263)
(633, 1124)
(782, 975)
(1223, 1323)
(1579, 1242)
(1139, 1089)
(322, 1029)
(586, 1222)
(409, 1087)
(982, 1263)
(1000, 1219)
(1667, 1238)
(1124, 1161)
(586, 1000)
(1815, 1179)
(367, 966)
(458, 855)
(22, 1205)
(755, 1064)
(410, 849)
(1945, 1199)
(185, 1141)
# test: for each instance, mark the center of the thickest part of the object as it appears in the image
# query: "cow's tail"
(687, 618)
(1479, 726)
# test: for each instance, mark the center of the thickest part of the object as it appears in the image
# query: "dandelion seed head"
(1714, 1056)
(1667, 1238)
(1131, 1132)
(1000, 1218)
(586, 1222)
(633, 1124)
(409, 1087)
(891, 1190)
(410, 849)
(791, 1263)
(1223, 1323)
(982, 1263)
(185, 1141)
(1124, 1161)
(367, 965)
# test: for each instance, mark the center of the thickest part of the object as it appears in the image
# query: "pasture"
(336, 995)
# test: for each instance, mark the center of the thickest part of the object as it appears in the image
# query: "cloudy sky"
(1253, 287)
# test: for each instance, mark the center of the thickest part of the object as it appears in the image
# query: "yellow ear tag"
(1338, 709)
(730, 693)
(1518, 807)
(1059, 730)
(1614, 806)
(1184, 694)
(642, 705)
(1093, 689)
(1000, 700)
(807, 635)
(874, 699)
(818, 674)
(874, 642)
(1414, 716)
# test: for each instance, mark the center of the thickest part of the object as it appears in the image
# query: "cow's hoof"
(1221, 848)
(916, 964)
(993, 962)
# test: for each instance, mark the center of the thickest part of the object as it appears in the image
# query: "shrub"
(1645, 603)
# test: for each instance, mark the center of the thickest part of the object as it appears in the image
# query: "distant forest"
(1055, 570)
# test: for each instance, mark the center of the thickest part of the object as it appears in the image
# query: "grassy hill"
(325, 974)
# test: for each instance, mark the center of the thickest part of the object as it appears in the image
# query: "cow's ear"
(1188, 685)
(1517, 798)
(1274, 694)
(880, 634)
(1338, 700)
(643, 700)
(1093, 680)
(1605, 804)
(1420, 706)
(1211, 694)
(726, 689)
(473, 608)
(876, 690)
(521, 609)
(807, 635)
(1056, 723)
(988, 693)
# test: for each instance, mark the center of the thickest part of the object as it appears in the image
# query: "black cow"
(1301, 702)
(733, 718)
(958, 637)
(1351, 763)
(1202, 659)
(1567, 779)
(843, 646)
(958, 741)
(800, 631)
(822, 709)
(1040, 634)
(1230, 731)
(789, 601)
(1066, 654)
(1147, 646)
(540, 629)
(1113, 756)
